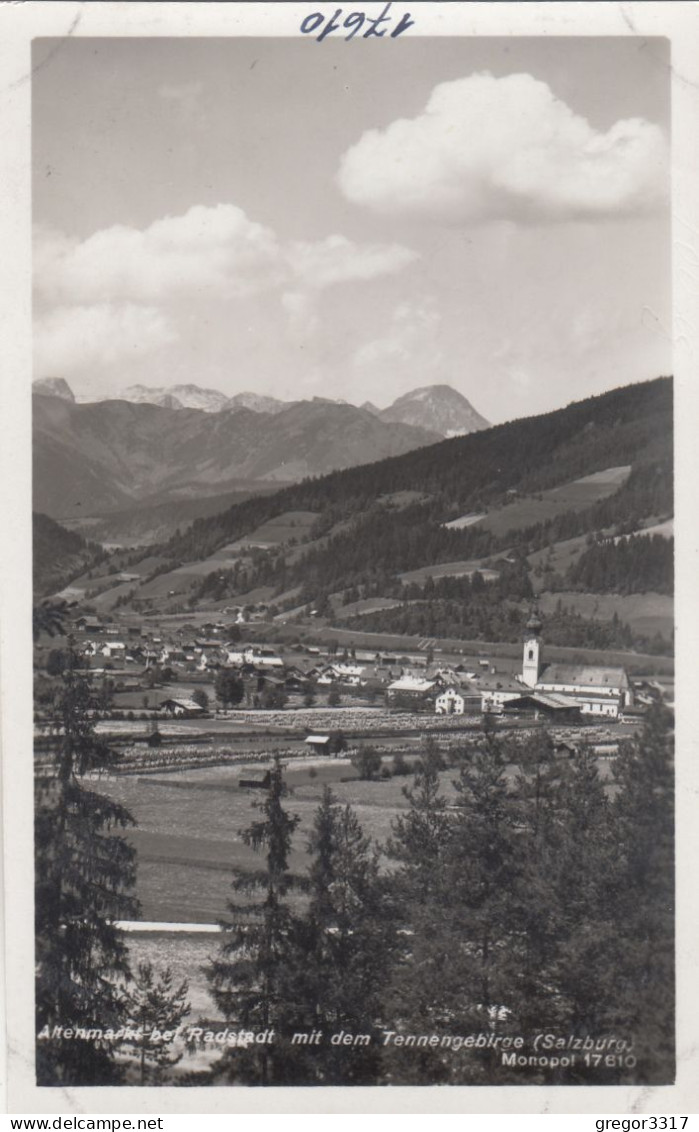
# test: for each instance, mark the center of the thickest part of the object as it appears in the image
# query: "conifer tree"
(484, 873)
(155, 1006)
(84, 876)
(246, 980)
(643, 811)
(463, 957)
(344, 948)
(567, 909)
(419, 992)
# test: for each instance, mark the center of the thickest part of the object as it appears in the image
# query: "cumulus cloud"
(142, 278)
(67, 339)
(337, 260)
(490, 148)
(206, 249)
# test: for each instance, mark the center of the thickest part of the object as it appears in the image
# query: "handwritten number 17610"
(354, 22)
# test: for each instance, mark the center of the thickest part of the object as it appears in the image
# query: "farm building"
(553, 704)
(319, 744)
(181, 708)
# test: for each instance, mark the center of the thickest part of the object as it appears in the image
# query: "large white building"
(596, 689)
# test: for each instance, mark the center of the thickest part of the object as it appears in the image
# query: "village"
(178, 695)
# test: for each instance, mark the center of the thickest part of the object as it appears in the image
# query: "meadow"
(189, 823)
(574, 496)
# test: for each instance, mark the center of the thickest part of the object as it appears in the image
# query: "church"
(594, 689)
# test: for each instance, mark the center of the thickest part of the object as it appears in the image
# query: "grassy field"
(560, 556)
(282, 528)
(666, 529)
(189, 823)
(646, 613)
(188, 836)
(574, 496)
(466, 520)
(448, 570)
(368, 605)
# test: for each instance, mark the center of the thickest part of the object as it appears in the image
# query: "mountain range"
(536, 507)
(438, 408)
(96, 457)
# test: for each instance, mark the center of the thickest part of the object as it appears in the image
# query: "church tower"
(533, 645)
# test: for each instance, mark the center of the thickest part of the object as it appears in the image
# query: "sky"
(353, 220)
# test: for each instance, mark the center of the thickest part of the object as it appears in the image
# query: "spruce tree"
(419, 992)
(566, 909)
(344, 947)
(247, 979)
(154, 1006)
(463, 951)
(643, 809)
(84, 876)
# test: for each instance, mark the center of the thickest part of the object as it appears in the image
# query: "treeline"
(632, 565)
(532, 897)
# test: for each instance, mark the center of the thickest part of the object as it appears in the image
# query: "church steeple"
(533, 645)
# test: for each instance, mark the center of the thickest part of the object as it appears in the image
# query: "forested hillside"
(377, 521)
(59, 555)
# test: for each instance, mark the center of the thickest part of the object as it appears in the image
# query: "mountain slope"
(436, 407)
(96, 457)
(630, 426)
(59, 555)
(257, 402)
(53, 387)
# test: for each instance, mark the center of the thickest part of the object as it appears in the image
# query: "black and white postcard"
(340, 635)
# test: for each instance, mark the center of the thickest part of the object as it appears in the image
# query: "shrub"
(367, 763)
(399, 765)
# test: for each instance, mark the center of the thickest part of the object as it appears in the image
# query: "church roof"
(495, 681)
(583, 676)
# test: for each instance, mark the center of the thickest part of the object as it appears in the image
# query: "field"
(560, 556)
(367, 605)
(280, 529)
(666, 528)
(574, 496)
(448, 570)
(646, 613)
(465, 521)
(189, 824)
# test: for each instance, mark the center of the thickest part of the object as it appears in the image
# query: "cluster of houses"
(565, 692)
(130, 653)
